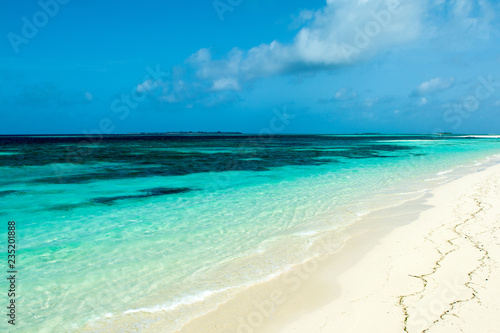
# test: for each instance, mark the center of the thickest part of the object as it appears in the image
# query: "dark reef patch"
(124, 157)
(9, 192)
(154, 192)
(151, 192)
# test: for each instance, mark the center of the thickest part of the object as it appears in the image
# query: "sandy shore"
(437, 274)
(428, 266)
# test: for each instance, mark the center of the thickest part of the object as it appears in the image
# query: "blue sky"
(269, 66)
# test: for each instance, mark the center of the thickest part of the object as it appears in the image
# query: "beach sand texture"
(437, 274)
(428, 266)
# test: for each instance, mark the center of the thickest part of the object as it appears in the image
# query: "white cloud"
(341, 33)
(88, 96)
(434, 85)
(465, 20)
(474, 14)
(145, 86)
(345, 94)
(369, 102)
(225, 84)
(150, 85)
(423, 101)
(303, 17)
(462, 8)
(170, 91)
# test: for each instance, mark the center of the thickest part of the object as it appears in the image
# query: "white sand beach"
(430, 266)
(437, 274)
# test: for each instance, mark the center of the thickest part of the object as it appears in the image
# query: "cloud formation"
(423, 101)
(345, 94)
(463, 18)
(434, 85)
(340, 34)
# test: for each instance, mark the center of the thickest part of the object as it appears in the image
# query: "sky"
(252, 66)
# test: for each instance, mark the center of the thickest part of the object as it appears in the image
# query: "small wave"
(199, 297)
(185, 301)
(416, 191)
(362, 213)
(306, 233)
(434, 179)
(445, 172)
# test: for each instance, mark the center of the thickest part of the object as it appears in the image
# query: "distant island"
(186, 133)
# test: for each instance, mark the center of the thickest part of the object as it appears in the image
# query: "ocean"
(112, 230)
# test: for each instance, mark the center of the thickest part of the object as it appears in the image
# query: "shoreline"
(331, 292)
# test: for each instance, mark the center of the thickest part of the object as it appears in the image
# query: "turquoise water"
(128, 225)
